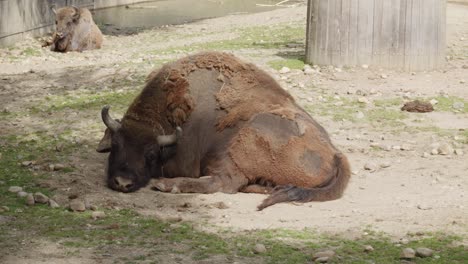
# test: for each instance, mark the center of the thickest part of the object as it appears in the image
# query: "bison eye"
(56, 22)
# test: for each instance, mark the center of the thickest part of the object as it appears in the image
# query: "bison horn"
(113, 125)
(53, 9)
(170, 139)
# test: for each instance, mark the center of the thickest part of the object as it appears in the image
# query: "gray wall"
(20, 18)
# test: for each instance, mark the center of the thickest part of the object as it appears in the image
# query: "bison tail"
(332, 190)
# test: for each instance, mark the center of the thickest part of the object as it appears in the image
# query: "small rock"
(259, 249)
(284, 70)
(15, 189)
(309, 71)
(322, 260)
(433, 101)
(98, 215)
(408, 253)
(322, 254)
(434, 151)
(365, 66)
(458, 105)
(370, 166)
(368, 248)
(424, 252)
(53, 204)
(92, 207)
(58, 167)
(77, 205)
(41, 198)
(22, 194)
(426, 155)
(385, 164)
(220, 205)
(4, 208)
(445, 149)
(359, 115)
(405, 147)
(26, 163)
(306, 67)
(30, 199)
(363, 100)
(396, 147)
(459, 152)
(383, 76)
(462, 81)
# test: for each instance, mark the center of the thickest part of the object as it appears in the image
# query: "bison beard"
(241, 132)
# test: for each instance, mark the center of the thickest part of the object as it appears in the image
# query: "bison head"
(66, 19)
(134, 157)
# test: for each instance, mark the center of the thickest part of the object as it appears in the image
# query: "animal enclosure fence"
(400, 34)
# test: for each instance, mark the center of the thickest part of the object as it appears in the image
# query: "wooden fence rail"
(401, 34)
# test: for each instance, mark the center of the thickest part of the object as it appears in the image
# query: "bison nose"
(123, 183)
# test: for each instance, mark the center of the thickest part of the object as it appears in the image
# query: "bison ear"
(77, 14)
(105, 143)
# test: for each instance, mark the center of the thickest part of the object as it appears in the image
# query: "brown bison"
(212, 123)
(75, 30)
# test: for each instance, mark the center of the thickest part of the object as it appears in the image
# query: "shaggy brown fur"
(75, 31)
(418, 106)
(240, 129)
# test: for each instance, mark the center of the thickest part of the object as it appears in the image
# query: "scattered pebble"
(284, 70)
(308, 71)
(77, 205)
(383, 76)
(370, 166)
(220, 205)
(15, 189)
(259, 249)
(359, 115)
(53, 204)
(458, 105)
(323, 254)
(363, 100)
(445, 149)
(30, 199)
(22, 194)
(92, 207)
(368, 248)
(4, 208)
(41, 198)
(408, 253)
(424, 252)
(433, 101)
(98, 215)
(425, 155)
(434, 151)
(405, 147)
(322, 260)
(365, 66)
(459, 152)
(385, 164)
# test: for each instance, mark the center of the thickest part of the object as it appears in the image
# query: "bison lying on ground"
(75, 30)
(211, 123)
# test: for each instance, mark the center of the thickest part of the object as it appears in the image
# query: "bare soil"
(410, 192)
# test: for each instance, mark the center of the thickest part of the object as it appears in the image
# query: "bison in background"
(75, 30)
(212, 123)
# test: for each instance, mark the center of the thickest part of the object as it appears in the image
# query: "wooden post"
(398, 34)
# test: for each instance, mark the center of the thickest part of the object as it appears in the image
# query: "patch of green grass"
(290, 63)
(445, 104)
(87, 101)
(31, 52)
(262, 37)
(392, 102)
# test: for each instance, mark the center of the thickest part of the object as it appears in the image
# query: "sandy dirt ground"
(404, 191)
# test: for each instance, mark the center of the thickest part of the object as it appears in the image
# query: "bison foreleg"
(206, 184)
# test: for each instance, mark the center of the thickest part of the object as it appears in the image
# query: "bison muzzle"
(212, 123)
